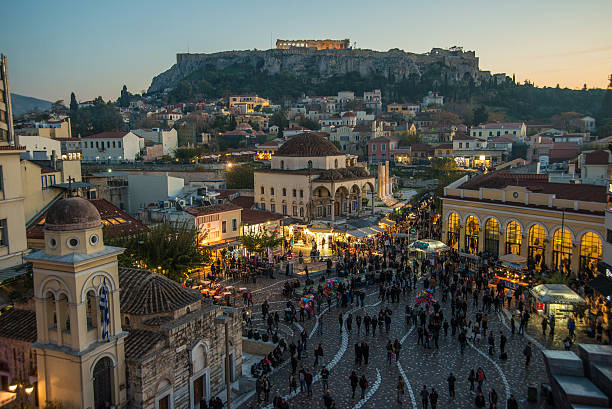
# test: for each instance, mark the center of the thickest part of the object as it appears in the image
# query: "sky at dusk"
(93, 48)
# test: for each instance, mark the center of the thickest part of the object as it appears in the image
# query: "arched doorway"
(472, 228)
(513, 238)
(536, 246)
(590, 251)
(453, 229)
(492, 237)
(562, 250)
(103, 383)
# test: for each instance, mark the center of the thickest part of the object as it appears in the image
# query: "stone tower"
(76, 291)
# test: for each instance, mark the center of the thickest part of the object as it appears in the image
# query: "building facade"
(557, 225)
(6, 111)
(492, 129)
(310, 179)
(111, 147)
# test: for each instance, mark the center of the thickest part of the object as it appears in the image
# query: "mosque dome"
(72, 213)
(308, 144)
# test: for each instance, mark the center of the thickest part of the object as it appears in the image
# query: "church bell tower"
(80, 342)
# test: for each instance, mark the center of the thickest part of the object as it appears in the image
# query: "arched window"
(472, 227)
(562, 250)
(103, 383)
(50, 307)
(309, 164)
(590, 251)
(92, 310)
(284, 192)
(282, 164)
(492, 237)
(453, 229)
(536, 246)
(64, 313)
(513, 238)
(336, 163)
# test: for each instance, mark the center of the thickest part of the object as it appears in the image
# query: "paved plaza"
(417, 366)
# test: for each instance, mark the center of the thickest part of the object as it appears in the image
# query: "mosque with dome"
(99, 335)
(310, 179)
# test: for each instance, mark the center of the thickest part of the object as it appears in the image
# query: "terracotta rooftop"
(218, 208)
(252, 216)
(308, 144)
(145, 293)
(115, 220)
(140, 342)
(246, 202)
(537, 183)
(597, 158)
(18, 324)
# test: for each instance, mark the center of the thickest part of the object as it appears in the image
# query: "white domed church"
(115, 337)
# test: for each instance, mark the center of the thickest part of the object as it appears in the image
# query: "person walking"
(325, 378)
(259, 388)
(266, 388)
(340, 322)
(451, 385)
(358, 322)
(544, 324)
(302, 377)
(320, 323)
(308, 380)
(349, 323)
(358, 354)
(527, 352)
(491, 342)
(318, 352)
(366, 323)
(397, 347)
(400, 389)
(472, 379)
(480, 401)
(433, 398)
(480, 378)
(354, 382)
(374, 324)
(502, 345)
(389, 348)
(363, 384)
(328, 401)
(492, 398)
(512, 403)
(365, 352)
(571, 327)
(292, 383)
(424, 397)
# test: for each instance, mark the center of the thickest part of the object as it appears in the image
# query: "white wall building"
(146, 189)
(493, 129)
(111, 147)
(167, 138)
(39, 147)
(432, 98)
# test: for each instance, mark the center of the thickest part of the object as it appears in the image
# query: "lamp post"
(23, 392)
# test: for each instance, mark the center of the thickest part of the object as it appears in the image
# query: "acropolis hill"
(449, 65)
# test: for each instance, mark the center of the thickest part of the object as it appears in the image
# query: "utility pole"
(225, 321)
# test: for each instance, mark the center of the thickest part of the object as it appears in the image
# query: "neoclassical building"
(155, 345)
(559, 225)
(310, 179)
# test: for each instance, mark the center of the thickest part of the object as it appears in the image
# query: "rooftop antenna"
(70, 190)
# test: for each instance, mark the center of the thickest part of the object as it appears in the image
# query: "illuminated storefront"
(513, 238)
(590, 251)
(453, 231)
(492, 237)
(472, 230)
(537, 246)
(562, 250)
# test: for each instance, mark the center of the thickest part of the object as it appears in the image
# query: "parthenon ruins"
(318, 44)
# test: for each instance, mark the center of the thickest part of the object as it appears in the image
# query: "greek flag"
(104, 310)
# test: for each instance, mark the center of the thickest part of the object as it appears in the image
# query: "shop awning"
(513, 259)
(387, 222)
(429, 246)
(556, 294)
(601, 284)
(356, 233)
(221, 245)
(376, 229)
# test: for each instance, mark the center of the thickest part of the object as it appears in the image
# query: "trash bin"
(532, 392)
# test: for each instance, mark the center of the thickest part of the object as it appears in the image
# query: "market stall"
(557, 299)
(429, 249)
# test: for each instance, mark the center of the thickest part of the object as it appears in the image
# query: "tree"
(169, 248)
(74, 105)
(185, 154)
(279, 119)
(519, 150)
(239, 177)
(101, 117)
(124, 99)
(445, 119)
(443, 164)
(309, 123)
(261, 241)
(232, 123)
(565, 120)
(480, 115)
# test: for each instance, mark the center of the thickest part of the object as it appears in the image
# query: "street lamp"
(23, 393)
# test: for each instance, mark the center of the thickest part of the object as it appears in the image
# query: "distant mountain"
(22, 104)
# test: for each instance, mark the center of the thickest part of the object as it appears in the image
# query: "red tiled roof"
(18, 324)
(537, 183)
(107, 135)
(48, 170)
(252, 216)
(348, 115)
(219, 208)
(597, 158)
(445, 146)
(503, 139)
(246, 202)
(421, 147)
(463, 137)
(500, 125)
(115, 220)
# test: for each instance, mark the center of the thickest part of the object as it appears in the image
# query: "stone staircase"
(582, 381)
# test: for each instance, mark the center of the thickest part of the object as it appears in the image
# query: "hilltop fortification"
(453, 64)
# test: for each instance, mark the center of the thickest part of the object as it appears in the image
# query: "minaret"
(80, 343)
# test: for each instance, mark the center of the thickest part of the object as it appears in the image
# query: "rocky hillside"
(449, 66)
